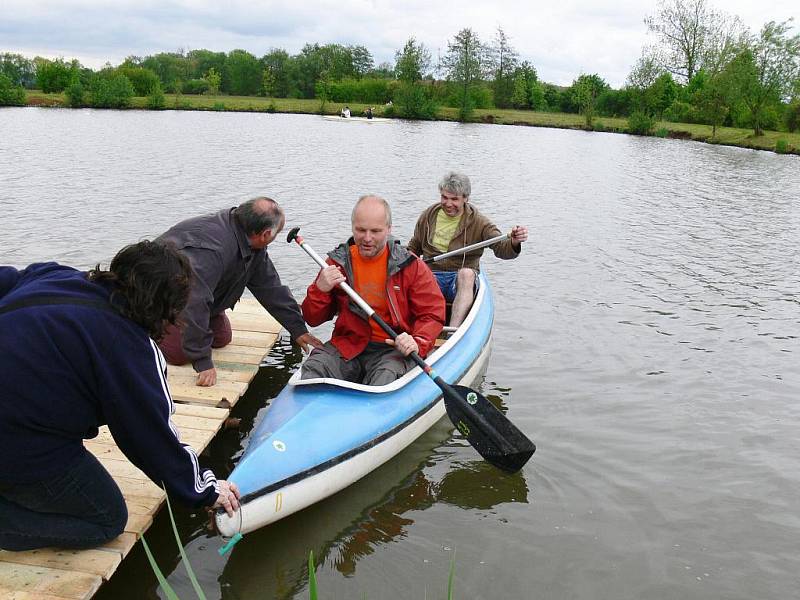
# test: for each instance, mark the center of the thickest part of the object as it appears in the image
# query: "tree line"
(702, 66)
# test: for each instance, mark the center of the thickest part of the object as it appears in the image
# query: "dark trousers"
(378, 364)
(172, 343)
(81, 507)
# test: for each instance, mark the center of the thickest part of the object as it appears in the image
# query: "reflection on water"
(646, 340)
(358, 521)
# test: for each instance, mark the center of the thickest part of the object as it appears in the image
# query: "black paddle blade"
(487, 429)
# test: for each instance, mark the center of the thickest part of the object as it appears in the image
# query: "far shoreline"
(726, 136)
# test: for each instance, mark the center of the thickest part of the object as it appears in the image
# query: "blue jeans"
(81, 507)
(447, 283)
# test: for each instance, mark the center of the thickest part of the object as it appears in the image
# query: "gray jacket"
(224, 265)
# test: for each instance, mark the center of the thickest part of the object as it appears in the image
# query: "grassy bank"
(729, 136)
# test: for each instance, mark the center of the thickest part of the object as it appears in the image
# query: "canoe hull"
(293, 461)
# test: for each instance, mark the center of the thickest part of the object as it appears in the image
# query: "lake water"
(646, 340)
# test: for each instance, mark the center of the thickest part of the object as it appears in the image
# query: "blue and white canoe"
(321, 435)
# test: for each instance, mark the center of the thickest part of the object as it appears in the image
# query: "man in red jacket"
(394, 282)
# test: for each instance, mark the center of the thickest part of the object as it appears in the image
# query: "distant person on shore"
(396, 284)
(369, 112)
(79, 352)
(228, 253)
(454, 223)
(345, 113)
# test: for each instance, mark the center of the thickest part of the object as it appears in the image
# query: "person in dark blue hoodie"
(78, 352)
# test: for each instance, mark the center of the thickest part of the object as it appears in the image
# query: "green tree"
(412, 98)
(586, 89)
(202, 61)
(384, 70)
(172, 68)
(309, 65)
(242, 74)
(323, 90)
(143, 80)
(689, 35)
(640, 84)
(20, 70)
(75, 94)
(503, 60)
(278, 79)
(465, 64)
(412, 62)
(11, 94)
(714, 97)
(765, 72)
(53, 76)
(528, 91)
(681, 27)
(214, 79)
(552, 96)
(114, 91)
(663, 93)
(361, 61)
(156, 99)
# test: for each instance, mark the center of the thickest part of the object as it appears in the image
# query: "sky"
(561, 38)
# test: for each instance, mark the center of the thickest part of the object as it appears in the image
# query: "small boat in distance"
(321, 435)
(356, 119)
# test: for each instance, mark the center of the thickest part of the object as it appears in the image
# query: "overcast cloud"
(561, 39)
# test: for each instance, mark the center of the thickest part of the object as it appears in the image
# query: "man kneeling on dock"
(79, 352)
(228, 253)
(395, 283)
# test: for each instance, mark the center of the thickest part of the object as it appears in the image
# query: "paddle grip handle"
(344, 285)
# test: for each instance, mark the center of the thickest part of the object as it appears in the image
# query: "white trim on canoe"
(415, 372)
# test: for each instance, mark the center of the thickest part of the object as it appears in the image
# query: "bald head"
(370, 201)
(372, 224)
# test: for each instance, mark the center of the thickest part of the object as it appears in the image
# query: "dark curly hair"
(150, 284)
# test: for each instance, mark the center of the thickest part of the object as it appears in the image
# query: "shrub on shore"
(10, 94)
(640, 123)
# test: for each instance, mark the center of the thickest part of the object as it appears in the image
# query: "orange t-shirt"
(370, 283)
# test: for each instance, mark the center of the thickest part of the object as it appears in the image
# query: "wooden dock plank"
(40, 581)
(196, 438)
(63, 574)
(96, 562)
(17, 595)
(242, 374)
(122, 544)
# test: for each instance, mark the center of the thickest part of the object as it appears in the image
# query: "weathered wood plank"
(139, 487)
(192, 422)
(7, 594)
(95, 562)
(41, 581)
(253, 339)
(196, 438)
(228, 355)
(237, 372)
(138, 524)
(210, 396)
(190, 379)
(122, 544)
(209, 412)
(250, 322)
